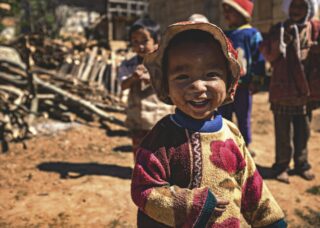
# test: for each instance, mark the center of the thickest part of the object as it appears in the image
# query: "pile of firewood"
(13, 116)
(82, 88)
(14, 98)
(65, 97)
(45, 52)
(93, 64)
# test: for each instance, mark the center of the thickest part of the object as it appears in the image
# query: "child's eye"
(213, 74)
(181, 77)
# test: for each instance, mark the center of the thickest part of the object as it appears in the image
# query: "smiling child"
(193, 169)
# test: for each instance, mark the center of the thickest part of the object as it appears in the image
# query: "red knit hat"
(244, 7)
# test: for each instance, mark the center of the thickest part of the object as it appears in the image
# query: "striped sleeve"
(168, 204)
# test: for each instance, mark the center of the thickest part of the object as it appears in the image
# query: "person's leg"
(301, 126)
(283, 145)
(243, 107)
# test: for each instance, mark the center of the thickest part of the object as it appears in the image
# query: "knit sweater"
(184, 164)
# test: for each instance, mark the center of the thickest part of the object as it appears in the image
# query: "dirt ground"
(80, 177)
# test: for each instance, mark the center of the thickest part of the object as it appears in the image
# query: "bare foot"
(283, 177)
(307, 175)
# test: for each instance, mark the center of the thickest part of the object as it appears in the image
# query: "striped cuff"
(206, 211)
(278, 224)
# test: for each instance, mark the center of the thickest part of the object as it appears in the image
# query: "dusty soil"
(81, 177)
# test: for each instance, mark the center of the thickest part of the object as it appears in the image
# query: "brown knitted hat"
(153, 61)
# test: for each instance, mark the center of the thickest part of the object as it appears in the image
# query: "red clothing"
(295, 80)
(178, 173)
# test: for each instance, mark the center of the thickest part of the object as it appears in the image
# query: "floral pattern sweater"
(184, 164)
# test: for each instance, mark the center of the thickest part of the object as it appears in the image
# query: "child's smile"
(197, 75)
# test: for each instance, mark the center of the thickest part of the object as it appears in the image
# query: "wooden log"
(14, 64)
(7, 67)
(95, 70)
(46, 96)
(12, 89)
(101, 74)
(82, 66)
(85, 104)
(12, 79)
(89, 65)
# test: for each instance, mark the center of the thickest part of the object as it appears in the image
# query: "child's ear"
(156, 46)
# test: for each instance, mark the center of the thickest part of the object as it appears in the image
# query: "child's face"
(197, 75)
(142, 42)
(298, 10)
(232, 17)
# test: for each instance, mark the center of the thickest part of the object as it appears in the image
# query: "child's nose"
(199, 86)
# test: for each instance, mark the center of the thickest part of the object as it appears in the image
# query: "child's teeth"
(199, 102)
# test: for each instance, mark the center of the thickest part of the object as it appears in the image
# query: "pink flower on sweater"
(227, 156)
(251, 192)
(230, 223)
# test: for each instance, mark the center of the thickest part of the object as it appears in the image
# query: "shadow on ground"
(114, 133)
(77, 170)
(125, 149)
(119, 133)
(266, 172)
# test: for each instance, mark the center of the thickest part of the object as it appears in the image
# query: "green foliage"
(35, 16)
(315, 190)
(14, 7)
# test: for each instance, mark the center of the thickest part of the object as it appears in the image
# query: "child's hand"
(221, 206)
(141, 73)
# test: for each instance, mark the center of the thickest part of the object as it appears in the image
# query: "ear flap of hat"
(231, 90)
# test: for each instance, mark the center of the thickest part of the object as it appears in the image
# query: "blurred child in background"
(246, 41)
(143, 109)
(293, 49)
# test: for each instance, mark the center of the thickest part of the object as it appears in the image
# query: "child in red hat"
(193, 169)
(246, 41)
(293, 48)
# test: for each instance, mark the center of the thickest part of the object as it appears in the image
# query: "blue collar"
(190, 123)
